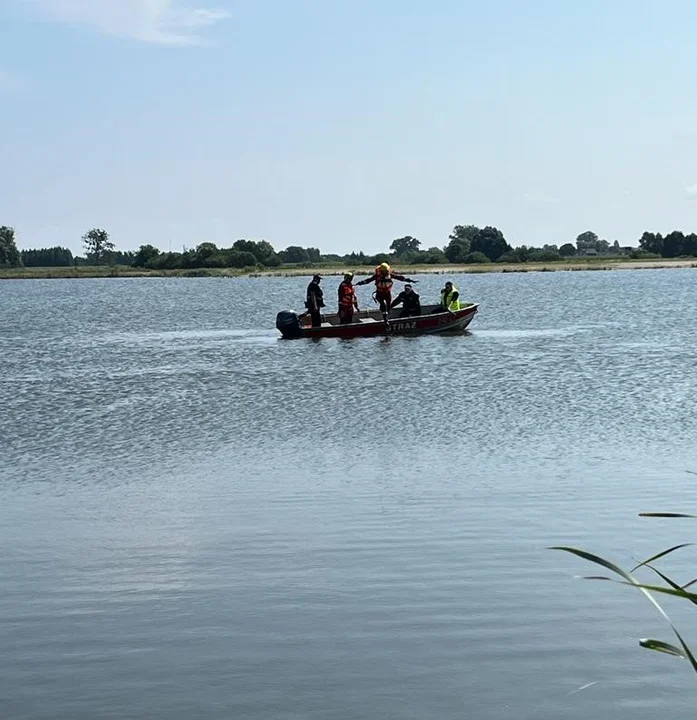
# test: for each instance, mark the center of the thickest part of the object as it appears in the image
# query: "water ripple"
(201, 520)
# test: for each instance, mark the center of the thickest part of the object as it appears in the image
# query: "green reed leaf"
(660, 555)
(660, 646)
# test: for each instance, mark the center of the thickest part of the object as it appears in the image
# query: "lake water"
(200, 520)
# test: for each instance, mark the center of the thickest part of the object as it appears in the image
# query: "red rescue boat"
(371, 323)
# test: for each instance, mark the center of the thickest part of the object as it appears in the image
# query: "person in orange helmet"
(383, 277)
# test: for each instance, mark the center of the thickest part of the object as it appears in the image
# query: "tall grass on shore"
(665, 586)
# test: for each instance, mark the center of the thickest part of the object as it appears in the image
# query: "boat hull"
(372, 324)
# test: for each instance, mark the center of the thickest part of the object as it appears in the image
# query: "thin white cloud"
(691, 190)
(11, 81)
(162, 22)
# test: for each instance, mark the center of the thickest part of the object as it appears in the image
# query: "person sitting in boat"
(449, 299)
(348, 302)
(315, 300)
(409, 300)
(383, 277)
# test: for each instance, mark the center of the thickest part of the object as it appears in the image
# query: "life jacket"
(383, 283)
(446, 299)
(347, 295)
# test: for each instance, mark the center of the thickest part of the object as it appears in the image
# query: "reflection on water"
(201, 519)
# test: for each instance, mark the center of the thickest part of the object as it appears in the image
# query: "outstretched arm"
(403, 278)
(366, 281)
(396, 301)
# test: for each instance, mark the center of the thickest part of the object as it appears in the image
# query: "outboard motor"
(288, 324)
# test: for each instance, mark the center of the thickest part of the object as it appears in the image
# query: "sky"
(345, 124)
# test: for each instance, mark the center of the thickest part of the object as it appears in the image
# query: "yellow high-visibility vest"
(447, 302)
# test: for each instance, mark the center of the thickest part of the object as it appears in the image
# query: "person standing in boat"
(410, 302)
(315, 300)
(348, 302)
(383, 277)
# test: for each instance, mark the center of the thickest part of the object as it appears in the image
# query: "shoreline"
(122, 271)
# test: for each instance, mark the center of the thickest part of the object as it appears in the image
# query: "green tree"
(146, 255)
(524, 252)
(294, 254)
(652, 243)
(97, 245)
(245, 246)
(490, 242)
(262, 250)
(690, 245)
(512, 256)
(9, 255)
(432, 256)
(356, 258)
(463, 233)
(545, 254)
(172, 260)
(460, 242)
(476, 257)
(379, 258)
(457, 250)
(567, 250)
(616, 248)
(404, 245)
(587, 240)
(122, 257)
(240, 259)
(207, 254)
(266, 254)
(673, 244)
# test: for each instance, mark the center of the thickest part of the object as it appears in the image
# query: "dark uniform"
(315, 301)
(410, 301)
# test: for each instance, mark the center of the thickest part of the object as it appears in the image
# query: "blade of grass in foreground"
(684, 594)
(628, 579)
(660, 646)
(687, 650)
(670, 582)
(660, 555)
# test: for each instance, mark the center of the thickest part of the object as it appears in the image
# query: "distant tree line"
(467, 244)
(242, 254)
(674, 244)
(99, 250)
(47, 257)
